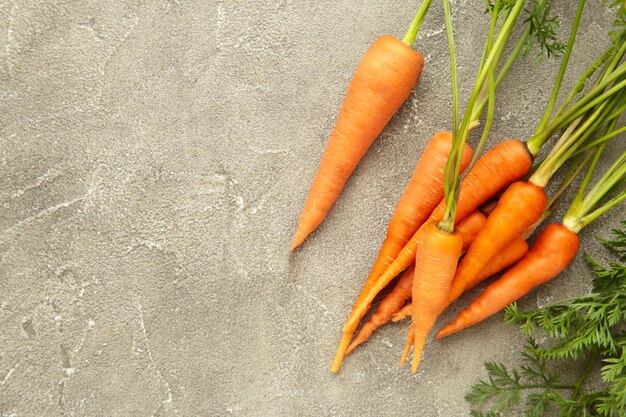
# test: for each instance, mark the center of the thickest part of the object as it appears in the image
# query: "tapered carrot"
(388, 306)
(435, 262)
(383, 80)
(420, 197)
(506, 162)
(394, 301)
(521, 205)
(553, 250)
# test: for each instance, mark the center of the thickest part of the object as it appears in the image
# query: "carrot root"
(383, 81)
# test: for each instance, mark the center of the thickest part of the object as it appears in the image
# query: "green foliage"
(619, 32)
(618, 245)
(588, 329)
(543, 27)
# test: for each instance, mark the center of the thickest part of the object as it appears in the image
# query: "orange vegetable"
(403, 313)
(552, 252)
(394, 301)
(511, 254)
(506, 162)
(470, 226)
(521, 205)
(420, 197)
(383, 80)
(435, 263)
(388, 306)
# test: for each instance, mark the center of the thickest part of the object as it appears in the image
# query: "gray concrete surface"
(154, 156)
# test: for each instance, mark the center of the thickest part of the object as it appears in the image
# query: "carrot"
(435, 262)
(394, 301)
(553, 250)
(388, 306)
(421, 196)
(383, 80)
(511, 254)
(521, 205)
(506, 162)
(502, 164)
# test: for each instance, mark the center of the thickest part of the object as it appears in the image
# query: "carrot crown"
(608, 191)
(411, 34)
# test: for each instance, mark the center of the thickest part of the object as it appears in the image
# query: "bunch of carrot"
(439, 217)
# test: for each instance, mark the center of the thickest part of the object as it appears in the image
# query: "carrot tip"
(415, 364)
(340, 354)
(298, 239)
(445, 331)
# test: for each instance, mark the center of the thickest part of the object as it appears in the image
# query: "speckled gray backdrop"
(154, 156)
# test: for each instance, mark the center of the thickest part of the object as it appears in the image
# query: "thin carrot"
(435, 262)
(421, 196)
(394, 301)
(388, 306)
(553, 250)
(383, 81)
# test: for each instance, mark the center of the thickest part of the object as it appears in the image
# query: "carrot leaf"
(543, 28)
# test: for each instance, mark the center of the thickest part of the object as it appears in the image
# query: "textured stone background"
(154, 156)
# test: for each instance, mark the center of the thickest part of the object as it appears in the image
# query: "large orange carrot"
(435, 262)
(506, 162)
(521, 205)
(553, 250)
(383, 80)
(388, 306)
(394, 301)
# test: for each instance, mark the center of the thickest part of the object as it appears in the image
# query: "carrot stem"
(452, 171)
(592, 98)
(601, 140)
(563, 67)
(411, 34)
(584, 209)
(453, 181)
